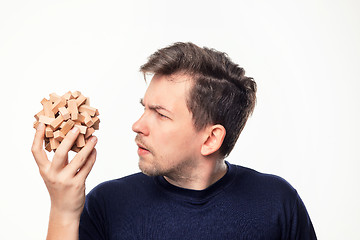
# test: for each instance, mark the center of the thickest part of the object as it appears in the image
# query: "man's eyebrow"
(155, 107)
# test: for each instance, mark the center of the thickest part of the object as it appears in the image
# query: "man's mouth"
(142, 148)
(142, 151)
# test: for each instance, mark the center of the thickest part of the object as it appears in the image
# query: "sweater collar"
(198, 196)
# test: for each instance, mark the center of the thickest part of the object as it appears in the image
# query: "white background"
(304, 56)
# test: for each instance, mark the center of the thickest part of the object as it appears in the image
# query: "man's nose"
(140, 126)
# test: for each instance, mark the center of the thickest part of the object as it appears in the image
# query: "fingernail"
(74, 130)
(93, 139)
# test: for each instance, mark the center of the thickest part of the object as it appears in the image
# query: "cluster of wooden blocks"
(61, 113)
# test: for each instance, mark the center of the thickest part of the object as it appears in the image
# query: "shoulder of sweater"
(264, 182)
(123, 184)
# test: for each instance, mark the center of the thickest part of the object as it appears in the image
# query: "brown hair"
(221, 93)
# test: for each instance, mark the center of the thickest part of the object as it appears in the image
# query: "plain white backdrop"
(304, 56)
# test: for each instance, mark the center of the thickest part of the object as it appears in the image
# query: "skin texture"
(168, 143)
(166, 129)
(64, 181)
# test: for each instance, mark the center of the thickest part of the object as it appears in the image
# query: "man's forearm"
(62, 227)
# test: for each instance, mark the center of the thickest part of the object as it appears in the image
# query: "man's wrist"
(63, 226)
(63, 218)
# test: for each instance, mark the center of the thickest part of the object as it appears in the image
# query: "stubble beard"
(176, 171)
(147, 166)
(151, 170)
(151, 165)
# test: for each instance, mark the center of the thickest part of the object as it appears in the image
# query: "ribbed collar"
(198, 196)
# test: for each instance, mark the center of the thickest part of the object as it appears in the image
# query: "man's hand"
(64, 181)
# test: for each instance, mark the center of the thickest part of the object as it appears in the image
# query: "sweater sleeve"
(92, 220)
(301, 226)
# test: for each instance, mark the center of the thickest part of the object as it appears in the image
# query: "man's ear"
(215, 135)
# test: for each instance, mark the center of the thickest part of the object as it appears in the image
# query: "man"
(195, 107)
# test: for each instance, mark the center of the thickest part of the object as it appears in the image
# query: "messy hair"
(221, 93)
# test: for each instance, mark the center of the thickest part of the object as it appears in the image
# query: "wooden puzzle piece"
(61, 113)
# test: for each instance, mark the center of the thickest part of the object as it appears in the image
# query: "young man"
(195, 107)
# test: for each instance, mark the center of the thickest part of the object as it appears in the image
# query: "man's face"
(168, 142)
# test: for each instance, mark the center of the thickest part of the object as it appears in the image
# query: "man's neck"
(205, 175)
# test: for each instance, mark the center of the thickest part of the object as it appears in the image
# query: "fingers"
(83, 160)
(61, 154)
(82, 157)
(85, 170)
(37, 147)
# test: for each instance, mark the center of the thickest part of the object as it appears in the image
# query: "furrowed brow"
(154, 107)
(158, 107)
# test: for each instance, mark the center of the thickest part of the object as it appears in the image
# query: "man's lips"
(142, 151)
(142, 148)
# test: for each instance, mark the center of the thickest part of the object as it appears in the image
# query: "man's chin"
(148, 170)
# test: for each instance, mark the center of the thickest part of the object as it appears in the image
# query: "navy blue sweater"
(244, 204)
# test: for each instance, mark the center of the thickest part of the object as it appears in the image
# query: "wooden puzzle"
(61, 113)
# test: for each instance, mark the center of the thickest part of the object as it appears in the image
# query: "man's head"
(169, 144)
(220, 93)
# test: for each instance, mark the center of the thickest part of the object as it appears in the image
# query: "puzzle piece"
(61, 113)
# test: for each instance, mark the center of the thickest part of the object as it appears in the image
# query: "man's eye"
(162, 115)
